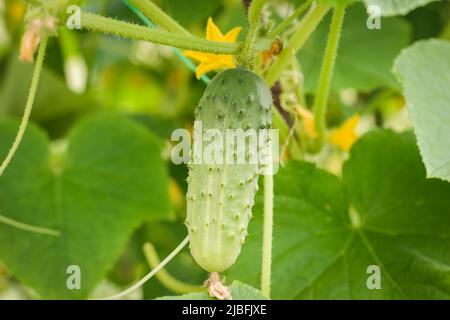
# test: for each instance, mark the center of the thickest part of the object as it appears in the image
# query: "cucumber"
(220, 197)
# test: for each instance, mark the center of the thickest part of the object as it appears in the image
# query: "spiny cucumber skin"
(220, 197)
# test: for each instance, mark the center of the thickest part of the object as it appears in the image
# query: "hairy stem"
(247, 55)
(254, 11)
(165, 277)
(305, 29)
(267, 236)
(28, 106)
(286, 23)
(128, 30)
(159, 17)
(326, 74)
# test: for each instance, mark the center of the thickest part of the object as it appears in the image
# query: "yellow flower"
(210, 61)
(345, 136)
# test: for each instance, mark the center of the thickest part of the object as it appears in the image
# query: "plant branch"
(286, 23)
(28, 105)
(247, 56)
(165, 277)
(159, 17)
(267, 236)
(133, 31)
(326, 74)
(254, 11)
(306, 27)
(151, 273)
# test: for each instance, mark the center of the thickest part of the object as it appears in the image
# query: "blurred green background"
(150, 85)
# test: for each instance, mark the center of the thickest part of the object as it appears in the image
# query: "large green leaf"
(424, 70)
(328, 231)
(397, 7)
(109, 181)
(239, 291)
(365, 56)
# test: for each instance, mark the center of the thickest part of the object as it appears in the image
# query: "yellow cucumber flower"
(345, 136)
(210, 61)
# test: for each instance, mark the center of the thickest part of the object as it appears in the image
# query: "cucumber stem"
(254, 11)
(326, 74)
(28, 106)
(99, 23)
(247, 56)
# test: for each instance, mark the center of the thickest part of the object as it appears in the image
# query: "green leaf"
(109, 181)
(360, 64)
(397, 7)
(424, 71)
(328, 231)
(239, 291)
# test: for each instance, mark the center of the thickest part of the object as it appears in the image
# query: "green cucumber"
(220, 196)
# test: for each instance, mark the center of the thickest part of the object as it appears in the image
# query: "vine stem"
(253, 18)
(306, 27)
(159, 17)
(151, 273)
(164, 276)
(286, 23)
(28, 105)
(267, 236)
(247, 55)
(99, 23)
(254, 11)
(326, 74)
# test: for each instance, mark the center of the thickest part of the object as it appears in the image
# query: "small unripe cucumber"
(220, 196)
